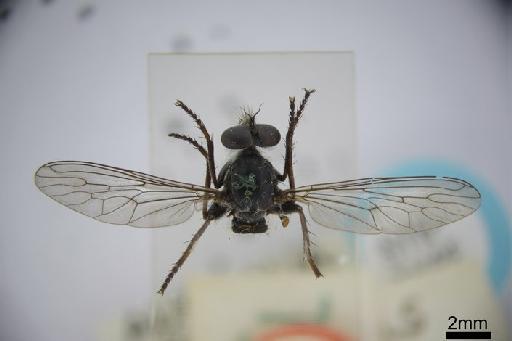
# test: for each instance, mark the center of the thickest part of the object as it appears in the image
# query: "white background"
(432, 80)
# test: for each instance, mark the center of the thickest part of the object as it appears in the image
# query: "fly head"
(249, 134)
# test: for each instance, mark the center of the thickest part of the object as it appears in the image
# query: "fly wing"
(119, 196)
(389, 205)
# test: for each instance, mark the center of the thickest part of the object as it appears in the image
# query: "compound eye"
(237, 137)
(266, 135)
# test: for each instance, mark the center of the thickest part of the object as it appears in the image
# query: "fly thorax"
(244, 186)
(250, 182)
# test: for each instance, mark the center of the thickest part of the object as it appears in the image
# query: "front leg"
(209, 143)
(207, 153)
(293, 121)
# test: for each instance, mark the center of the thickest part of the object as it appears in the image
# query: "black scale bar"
(468, 335)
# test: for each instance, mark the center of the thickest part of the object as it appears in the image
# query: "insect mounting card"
(219, 87)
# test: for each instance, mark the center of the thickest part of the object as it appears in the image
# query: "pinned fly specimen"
(247, 190)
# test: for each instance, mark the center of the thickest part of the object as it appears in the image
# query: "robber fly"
(247, 190)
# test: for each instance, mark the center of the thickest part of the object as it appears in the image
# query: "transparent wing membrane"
(389, 205)
(119, 196)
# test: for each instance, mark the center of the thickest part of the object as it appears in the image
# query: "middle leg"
(207, 181)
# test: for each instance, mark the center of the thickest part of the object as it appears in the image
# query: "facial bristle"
(248, 115)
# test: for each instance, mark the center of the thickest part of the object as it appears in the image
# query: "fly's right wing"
(120, 196)
(388, 205)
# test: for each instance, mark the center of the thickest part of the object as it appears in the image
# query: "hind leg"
(183, 257)
(292, 207)
(214, 212)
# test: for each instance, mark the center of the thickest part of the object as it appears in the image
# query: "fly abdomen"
(239, 225)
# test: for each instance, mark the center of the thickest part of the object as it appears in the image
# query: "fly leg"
(202, 150)
(291, 207)
(295, 115)
(307, 244)
(207, 153)
(216, 211)
(209, 142)
(184, 256)
(192, 142)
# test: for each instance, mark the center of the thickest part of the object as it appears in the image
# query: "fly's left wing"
(120, 196)
(388, 205)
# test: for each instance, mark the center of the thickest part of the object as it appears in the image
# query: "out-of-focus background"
(432, 95)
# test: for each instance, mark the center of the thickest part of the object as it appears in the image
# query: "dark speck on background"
(5, 10)
(230, 105)
(181, 43)
(219, 32)
(176, 125)
(47, 2)
(4, 14)
(85, 11)
(506, 4)
(136, 329)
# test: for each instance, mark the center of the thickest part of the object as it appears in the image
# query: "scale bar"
(468, 335)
